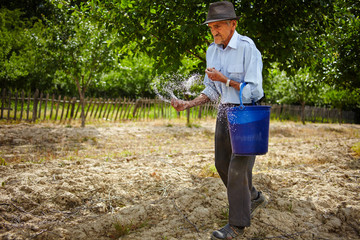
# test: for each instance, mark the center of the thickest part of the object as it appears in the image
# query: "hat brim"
(218, 20)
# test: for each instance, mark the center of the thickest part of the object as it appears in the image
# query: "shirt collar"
(232, 43)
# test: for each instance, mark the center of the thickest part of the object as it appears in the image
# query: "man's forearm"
(201, 99)
(181, 105)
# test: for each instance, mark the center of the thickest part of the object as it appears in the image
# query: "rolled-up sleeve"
(210, 89)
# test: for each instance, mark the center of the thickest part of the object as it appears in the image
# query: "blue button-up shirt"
(240, 61)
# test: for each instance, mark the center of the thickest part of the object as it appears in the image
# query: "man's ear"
(234, 23)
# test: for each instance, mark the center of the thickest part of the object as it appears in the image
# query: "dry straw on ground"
(156, 180)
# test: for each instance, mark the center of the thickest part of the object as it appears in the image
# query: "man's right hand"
(179, 105)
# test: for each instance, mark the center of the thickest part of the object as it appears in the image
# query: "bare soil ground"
(156, 180)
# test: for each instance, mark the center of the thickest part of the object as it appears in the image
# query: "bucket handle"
(242, 106)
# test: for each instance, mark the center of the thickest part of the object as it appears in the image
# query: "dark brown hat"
(220, 11)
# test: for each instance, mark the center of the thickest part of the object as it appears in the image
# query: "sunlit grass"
(356, 148)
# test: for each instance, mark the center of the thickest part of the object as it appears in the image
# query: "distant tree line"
(113, 48)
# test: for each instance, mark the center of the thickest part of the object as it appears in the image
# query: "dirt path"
(156, 180)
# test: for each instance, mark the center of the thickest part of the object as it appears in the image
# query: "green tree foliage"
(285, 32)
(31, 9)
(342, 99)
(164, 30)
(300, 88)
(341, 47)
(22, 64)
(48, 44)
(14, 46)
(82, 48)
(131, 78)
(289, 33)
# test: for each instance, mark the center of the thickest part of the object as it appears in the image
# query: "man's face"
(222, 31)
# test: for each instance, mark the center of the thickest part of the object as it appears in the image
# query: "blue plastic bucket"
(249, 128)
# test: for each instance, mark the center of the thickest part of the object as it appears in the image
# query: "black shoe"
(227, 232)
(261, 201)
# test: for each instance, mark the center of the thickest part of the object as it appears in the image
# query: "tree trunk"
(81, 89)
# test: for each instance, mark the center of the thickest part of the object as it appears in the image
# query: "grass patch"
(123, 229)
(192, 125)
(356, 148)
(208, 133)
(224, 216)
(209, 171)
(2, 162)
(126, 153)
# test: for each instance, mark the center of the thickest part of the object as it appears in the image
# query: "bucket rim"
(249, 107)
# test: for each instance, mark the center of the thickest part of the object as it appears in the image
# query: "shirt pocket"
(236, 72)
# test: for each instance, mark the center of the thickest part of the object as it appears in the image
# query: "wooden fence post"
(87, 110)
(79, 107)
(122, 107)
(206, 109)
(98, 106)
(73, 102)
(52, 105)
(141, 103)
(128, 106)
(142, 109)
(92, 110)
(110, 107)
(114, 114)
(149, 108)
(16, 102)
(35, 105)
(106, 103)
(45, 108)
(135, 107)
(68, 108)
(57, 107)
(188, 116)
(200, 109)
(40, 101)
(155, 104)
(63, 109)
(83, 114)
(22, 104)
(3, 103)
(9, 106)
(28, 107)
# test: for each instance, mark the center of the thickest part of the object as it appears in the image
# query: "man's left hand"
(215, 75)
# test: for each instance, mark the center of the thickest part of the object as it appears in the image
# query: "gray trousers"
(235, 172)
